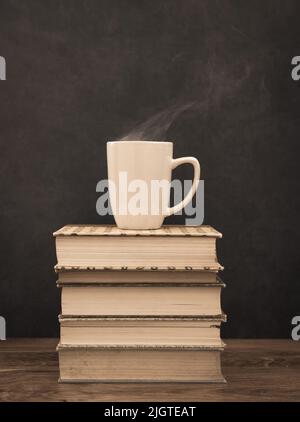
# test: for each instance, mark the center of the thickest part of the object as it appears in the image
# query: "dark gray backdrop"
(82, 72)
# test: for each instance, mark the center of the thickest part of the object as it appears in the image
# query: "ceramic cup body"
(136, 172)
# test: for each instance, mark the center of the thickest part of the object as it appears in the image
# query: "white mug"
(139, 177)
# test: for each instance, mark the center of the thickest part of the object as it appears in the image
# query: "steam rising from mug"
(157, 126)
(212, 87)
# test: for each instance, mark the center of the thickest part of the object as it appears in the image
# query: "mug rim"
(140, 142)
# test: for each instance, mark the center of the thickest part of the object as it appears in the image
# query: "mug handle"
(195, 163)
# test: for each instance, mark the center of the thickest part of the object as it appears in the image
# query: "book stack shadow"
(139, 306)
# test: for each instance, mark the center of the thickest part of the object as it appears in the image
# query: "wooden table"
(256, 370)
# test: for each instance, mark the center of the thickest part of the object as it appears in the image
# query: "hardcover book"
(141, 331)
(143, 364)
(170, 247)
(146, 300)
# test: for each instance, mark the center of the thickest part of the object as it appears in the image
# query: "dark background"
(82, 72)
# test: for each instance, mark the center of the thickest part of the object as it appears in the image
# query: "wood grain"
(256, 370)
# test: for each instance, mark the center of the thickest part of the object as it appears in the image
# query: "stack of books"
(139, 305)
